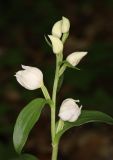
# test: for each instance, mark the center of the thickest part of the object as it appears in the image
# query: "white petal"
(75, 115)
(19, 79)
(25, 67)
(19, 73)
(65, 25)
(77, 100)
(57, 44)
(69, 110)
(57, 29)
(30, 78)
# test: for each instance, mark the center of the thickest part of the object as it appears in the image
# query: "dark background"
(23, 24)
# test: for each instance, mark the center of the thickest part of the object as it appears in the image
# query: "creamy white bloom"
(69, 110)
(30, 78)
(75, 58)
(60, 27)
(57, 44)
(65, 25)
(57, 29)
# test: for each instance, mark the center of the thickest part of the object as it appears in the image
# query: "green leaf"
(25, 122)
(65, 64)
(26, 157)
(86, 117)
(69, 65)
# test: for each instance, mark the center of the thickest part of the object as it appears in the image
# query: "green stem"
(55, 152)
(52, 122)
(55, 81)
(53, 106)
(53, 109)
(47, 96)
(45, 92)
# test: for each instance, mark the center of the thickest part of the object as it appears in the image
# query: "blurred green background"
(23, 24)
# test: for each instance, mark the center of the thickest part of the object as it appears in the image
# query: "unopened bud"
(61, 27)
(75, 58)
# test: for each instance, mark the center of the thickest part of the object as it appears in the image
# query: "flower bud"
(57, 29)
(57, 44)
(65, 25)
(69, 110)
(60, 27)
(30, 78)
(75, 58)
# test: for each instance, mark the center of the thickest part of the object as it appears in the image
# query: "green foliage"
(25, 122)
(86, 117)
(67, 64)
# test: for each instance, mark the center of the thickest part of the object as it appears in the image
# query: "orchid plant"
(70, 113)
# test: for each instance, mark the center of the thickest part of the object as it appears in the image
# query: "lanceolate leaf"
(69, 65)
(25, 157)
(25, 122)
(86, 117)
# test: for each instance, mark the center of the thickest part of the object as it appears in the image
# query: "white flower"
(69, 110)
(75, 58)
(30, 78)
(57, 29)
(60, 27)
(57, 44)
(65, 25)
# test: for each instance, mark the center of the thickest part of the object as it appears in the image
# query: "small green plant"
(70, 113)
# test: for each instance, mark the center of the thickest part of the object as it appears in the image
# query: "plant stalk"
(47, 96)
(53, 109)
(45, 92)
(55, 152)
